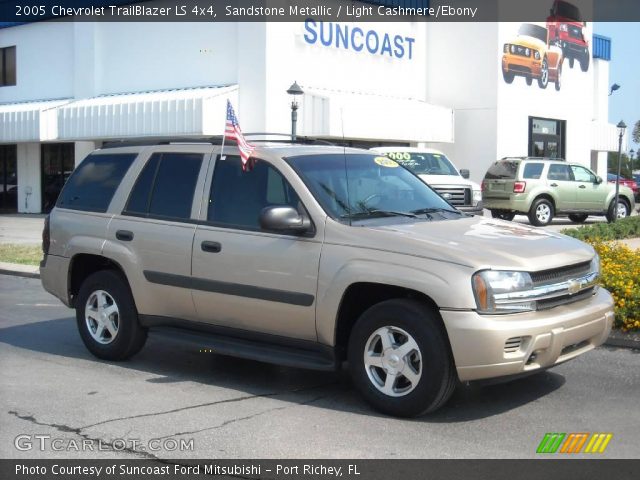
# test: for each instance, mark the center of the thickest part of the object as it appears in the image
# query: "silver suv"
(317, 255)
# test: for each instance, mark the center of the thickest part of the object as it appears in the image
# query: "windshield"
(534, 31)
(424, 163)
(360, 186)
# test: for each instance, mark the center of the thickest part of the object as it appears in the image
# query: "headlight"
(477, 196)
(513, 48)
(506, 48)
(527, 52)
(536, 55)
(488, 284)
(564, 27)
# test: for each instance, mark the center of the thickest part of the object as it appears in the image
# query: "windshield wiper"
(383, 213)
(421, 211)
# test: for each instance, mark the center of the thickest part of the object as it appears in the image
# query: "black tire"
(584, 63)
(543, 79)
(508, 76)
(558, 82)
(503, 215)
(571, 62)
(529, 80)
(130, 336)
(578, 217)
(535, 216)
(438, 374)
(611, 211)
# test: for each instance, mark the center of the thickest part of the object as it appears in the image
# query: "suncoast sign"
(358, 39)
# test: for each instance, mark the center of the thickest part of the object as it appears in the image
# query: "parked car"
(532, 56)
(627, 182)
(544, 188)
(567, 31)
(317, 255)
(434, 168)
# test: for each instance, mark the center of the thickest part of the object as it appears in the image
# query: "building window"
(547, 137)
(7, 66)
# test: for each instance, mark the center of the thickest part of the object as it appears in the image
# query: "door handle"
(554, 185)
(582, 186)
(208, 246)
(124, 235)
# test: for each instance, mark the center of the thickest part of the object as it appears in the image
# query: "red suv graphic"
(566, 29)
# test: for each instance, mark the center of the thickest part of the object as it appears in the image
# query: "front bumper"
(547, 338)
(472, 209)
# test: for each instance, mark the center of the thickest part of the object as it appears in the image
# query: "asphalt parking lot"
(50, 385)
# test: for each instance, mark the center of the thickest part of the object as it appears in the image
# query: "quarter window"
(237, 198)
(166, 186)
(91, 186)
(560, 172)
(532, 170)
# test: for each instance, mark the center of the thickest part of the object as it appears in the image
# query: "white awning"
(188, 111)
(605, 137)
(29, 121)
(328, 113)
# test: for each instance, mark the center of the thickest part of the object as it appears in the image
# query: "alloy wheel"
(102, 317)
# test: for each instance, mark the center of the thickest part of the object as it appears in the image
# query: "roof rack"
(548, 159)
(213, 140)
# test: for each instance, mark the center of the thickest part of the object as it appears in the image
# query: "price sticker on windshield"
(386, 162)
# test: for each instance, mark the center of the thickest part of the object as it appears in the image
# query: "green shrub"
(625, 228)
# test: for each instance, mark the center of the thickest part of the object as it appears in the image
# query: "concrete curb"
(623, 340)
(18, 270)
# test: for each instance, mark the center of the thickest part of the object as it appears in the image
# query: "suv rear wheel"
(107, 317)
(399, 358)
(503, 214)
(541, 212)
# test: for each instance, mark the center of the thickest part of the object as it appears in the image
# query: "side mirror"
(465, 173)
(598, 180)
(283, 219)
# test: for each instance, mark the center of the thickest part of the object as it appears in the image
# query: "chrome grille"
(457, 196)
(561, 274)
(564, 299)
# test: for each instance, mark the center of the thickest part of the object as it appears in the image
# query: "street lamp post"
(294, 90)
(621, 128)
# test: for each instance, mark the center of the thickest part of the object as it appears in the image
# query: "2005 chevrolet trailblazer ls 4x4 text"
(317, 255)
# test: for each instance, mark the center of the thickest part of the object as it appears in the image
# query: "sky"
(624, 104)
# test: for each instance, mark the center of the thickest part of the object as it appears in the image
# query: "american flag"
(232, 130)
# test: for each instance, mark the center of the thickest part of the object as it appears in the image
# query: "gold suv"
(317, 255)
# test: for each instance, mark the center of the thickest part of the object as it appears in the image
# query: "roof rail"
(549, 159)
(214, 140)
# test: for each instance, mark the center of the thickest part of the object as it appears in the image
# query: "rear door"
(247, 278)
(561, 184)
(590, 196)
(154, 231)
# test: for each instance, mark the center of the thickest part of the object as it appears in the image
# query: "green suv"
(543, 188)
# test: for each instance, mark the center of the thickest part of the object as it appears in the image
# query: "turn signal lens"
(518, 187)
(480, 289)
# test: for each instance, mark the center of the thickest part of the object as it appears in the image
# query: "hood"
(531, 42)
(435, 180)
(477, 242)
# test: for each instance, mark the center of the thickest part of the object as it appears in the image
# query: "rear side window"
(532, 170)
(91, 186)
(166, 186)
(502, 169)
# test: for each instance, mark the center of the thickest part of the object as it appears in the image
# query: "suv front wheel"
(107, 317)
(541, 212)
(399, 358)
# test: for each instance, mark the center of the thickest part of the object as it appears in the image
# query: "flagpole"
(224, 130)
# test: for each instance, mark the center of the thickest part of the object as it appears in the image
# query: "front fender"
(448, 285)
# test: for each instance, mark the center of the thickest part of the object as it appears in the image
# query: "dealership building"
(476, 91)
